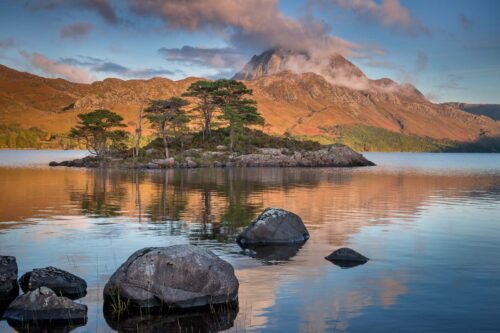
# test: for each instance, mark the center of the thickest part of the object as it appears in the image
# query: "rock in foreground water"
(8, 276)
(179, 276)
(61, 282)
(346, 257)
(274, 226)
(43, 304)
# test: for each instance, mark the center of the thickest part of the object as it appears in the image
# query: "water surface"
(429, 222)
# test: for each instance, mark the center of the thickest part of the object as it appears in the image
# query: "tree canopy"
(100, 132)
(168, 118)
(237, 110)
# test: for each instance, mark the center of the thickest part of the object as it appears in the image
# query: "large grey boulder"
(8, 277)
(179, 276)
(346, 258)
(43, 304)
(274, 226)
(61, 282)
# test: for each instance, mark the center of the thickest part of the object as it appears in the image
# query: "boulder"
(190, 163)
(8, 277)
(43, 304)
(61, 282)
(346, 257)
(165, 163)
(179, 276)
(53, 164)
(153, 166)
(274, 226)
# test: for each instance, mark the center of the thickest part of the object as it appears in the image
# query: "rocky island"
(328, 156)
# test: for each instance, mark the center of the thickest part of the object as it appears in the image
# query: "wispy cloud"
(205, 57)
(453, 82)
(75, 31)
(6, 43)
(48, 66)
(422, 61)
(98, 65)
(465, 22)
(103, 8)
(390, 13)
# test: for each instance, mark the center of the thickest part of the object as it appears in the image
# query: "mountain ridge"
(303, 104)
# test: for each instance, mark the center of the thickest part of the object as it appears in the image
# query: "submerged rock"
(61, 282)
(179, 276)
(8, 277)
(43, 304)
(215, 319)
(346, 257)
(272, 254)
(274, 226)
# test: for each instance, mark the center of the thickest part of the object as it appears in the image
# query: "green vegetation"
(247, 141)
(168, 119)
(98, 131)
(16, 137)
(236, 110)
(204, 94)
(368, 138)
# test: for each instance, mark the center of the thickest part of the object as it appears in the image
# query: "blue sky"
(450, 49)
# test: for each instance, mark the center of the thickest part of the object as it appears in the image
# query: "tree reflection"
(103, 195)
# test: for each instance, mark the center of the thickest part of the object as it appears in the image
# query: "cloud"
(390, 13)
(252, 25)
(453, 82)
(465, 22)
(205, 57)
(98, 65)
(422, 61)
(41, 62)
(75, 31)
(7, 43)
(101, 7)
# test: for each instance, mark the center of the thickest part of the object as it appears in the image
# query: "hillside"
(488, 110)
(327, 101)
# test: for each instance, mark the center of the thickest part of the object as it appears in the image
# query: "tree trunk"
(164, 139)
(138, 133)
(231, 137)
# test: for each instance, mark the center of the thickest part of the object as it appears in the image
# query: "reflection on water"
(431, 233)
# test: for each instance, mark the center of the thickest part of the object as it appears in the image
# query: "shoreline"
(329, 156)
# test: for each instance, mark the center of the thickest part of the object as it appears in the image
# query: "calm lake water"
(429, 222)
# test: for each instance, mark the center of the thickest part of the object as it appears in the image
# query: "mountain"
(328, 99)
(488, 110)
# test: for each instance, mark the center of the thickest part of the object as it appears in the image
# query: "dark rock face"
(179, 276)
(218, 318)
(9, 288)
(43, 304)
(274, 226)
(346, 258)
(331, 156)
(8, 276)
(86, 162)
(61, 282)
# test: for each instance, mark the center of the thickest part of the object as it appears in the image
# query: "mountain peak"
(278, 60)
